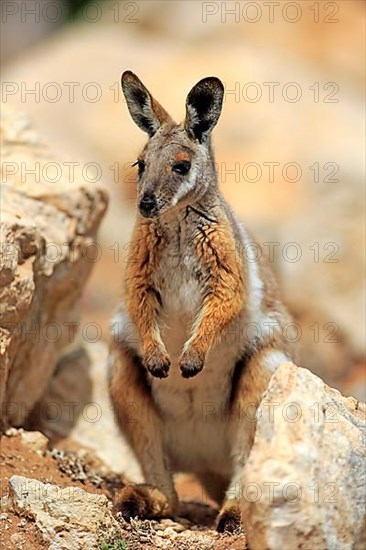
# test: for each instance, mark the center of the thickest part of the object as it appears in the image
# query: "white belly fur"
(193, 409)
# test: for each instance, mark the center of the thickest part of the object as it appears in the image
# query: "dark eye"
(182, 167)
(140, 165)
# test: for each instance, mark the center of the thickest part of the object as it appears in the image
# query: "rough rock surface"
(48, 228)
(68, 518)
(68, 392)
(304, 482)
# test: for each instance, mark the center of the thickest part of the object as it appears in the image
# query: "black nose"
(147, 204)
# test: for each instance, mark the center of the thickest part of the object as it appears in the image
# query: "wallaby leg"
(252, 384)
(138, 420)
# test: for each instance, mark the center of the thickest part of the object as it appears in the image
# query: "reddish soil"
(63, 469)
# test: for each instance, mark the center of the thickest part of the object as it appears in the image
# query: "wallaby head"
(176, 165)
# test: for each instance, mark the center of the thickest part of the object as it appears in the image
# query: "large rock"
(304, 482)
(68, 518)
(48, 229)
(68, 392)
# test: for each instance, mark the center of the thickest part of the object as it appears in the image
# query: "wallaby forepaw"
(191, 363)
(229, 519)
(157, 364)
(142, 501)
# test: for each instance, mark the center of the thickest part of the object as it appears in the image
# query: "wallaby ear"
(147, 113)
(203, 107)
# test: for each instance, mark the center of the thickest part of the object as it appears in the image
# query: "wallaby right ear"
(203, 107)
(147, 113)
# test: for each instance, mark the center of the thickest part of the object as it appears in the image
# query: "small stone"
(169, 533)
(4, 502)
(184, 521)
(18, 540)
(12, 432)
(177, 527)
(35, 441)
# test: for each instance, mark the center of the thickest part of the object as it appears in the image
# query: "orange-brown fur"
(141, 298)
(215, 249)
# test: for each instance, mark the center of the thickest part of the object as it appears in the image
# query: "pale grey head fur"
(176, 166)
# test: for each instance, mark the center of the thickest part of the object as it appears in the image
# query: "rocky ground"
(78, 485)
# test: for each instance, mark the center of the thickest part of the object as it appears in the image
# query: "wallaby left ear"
(147, 113)
(203, 107)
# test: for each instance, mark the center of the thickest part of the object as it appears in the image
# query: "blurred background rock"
(289, 145)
